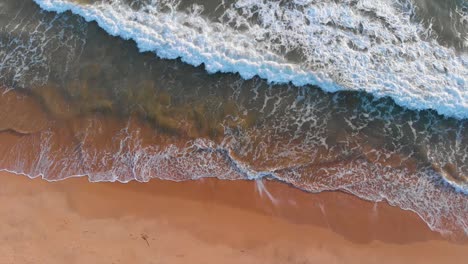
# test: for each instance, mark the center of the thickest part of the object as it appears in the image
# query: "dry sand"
(206, 221)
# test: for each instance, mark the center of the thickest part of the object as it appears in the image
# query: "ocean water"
(366, 97)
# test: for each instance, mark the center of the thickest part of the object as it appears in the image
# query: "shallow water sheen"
(86, 103)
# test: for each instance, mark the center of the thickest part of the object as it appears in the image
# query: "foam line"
(343, 47)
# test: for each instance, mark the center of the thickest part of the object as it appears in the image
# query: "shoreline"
(112, 154)
(207, 221)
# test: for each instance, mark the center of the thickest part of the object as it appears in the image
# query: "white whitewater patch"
(443, 209)
(347, 45)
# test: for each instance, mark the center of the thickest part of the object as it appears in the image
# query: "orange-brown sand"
(206, 221)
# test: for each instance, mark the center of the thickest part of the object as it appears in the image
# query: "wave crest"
(337, 45)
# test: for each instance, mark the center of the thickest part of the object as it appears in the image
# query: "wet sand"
(68, 113)
(206, 221)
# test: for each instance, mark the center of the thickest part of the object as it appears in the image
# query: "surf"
(372, 46)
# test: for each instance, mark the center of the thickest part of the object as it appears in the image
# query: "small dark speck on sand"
(145, 238)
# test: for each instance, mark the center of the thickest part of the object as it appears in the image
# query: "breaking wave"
(375, 46)
(84, 103)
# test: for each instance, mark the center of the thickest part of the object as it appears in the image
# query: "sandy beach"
(206, 221)
(233, 132)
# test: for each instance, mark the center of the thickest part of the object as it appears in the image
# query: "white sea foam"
(26, 59)
(240, 49)
(443, 209)
(346, 45)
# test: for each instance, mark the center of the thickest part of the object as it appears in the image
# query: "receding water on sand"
(77, 101)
